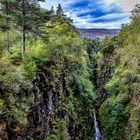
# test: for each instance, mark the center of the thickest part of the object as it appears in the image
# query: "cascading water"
(97, 130)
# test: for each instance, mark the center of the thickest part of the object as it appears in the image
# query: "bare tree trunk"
(8, 41)
(23, 44)
(7, 23)
(23, 32)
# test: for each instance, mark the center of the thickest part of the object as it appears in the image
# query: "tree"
(136, 11)
(135, 24)
(29, 17)
(136, 15)
(6, 18)
(5, 9)
(52, 12)
(61, 17)
(59, 11)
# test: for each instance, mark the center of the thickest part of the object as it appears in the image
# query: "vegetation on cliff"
(46, 89)
(51, 79)
(119, 82)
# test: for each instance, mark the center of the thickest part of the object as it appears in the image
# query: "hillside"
(97, 33)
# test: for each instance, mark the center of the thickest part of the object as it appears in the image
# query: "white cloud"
(128, 5)
(49, 3)
(110, 1)
(87, 21)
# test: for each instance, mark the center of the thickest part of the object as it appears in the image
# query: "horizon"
(100, 28)
(97, 14)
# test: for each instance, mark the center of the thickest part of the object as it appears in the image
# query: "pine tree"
(6, 18)
(29, 18)
(52, 13)
(135, 24)
(61, 17)
(59, 11)
(136, 11)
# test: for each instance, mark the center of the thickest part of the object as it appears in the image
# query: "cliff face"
(104, 70)
(52, 95)
(118, 88)
(53, 106)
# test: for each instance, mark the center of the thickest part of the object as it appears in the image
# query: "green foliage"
(117, 86)
(2, 107)
(119, 111)
(30, 70)
(20, 115)
(67, 66)
(12, 76)
(114, 117)
(64, 63)
(5, 14)
(59, 132)
(134, 121)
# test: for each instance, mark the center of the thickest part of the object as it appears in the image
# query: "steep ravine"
(58, 103)
(57, 107)
(54, 110)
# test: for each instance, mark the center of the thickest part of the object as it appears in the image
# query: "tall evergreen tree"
(5, 14)
(136, 11)
(61, 17)
(52, 12)
(6, 18)
(59, 11)
(28, 17)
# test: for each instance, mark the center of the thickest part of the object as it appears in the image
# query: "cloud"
(96, 13)
(129, 5)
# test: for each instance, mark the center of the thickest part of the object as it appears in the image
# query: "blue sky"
(96, 13)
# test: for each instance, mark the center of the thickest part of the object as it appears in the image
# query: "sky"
(96, 13)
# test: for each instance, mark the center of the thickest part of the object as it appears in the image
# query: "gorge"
(57, 85)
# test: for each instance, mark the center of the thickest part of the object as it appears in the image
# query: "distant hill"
(97, 33)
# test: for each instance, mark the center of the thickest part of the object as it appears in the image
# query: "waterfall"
(97, 130)
(50, 101)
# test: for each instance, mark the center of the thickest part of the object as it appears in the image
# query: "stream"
(98, 135)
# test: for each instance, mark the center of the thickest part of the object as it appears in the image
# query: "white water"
(97, 130)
